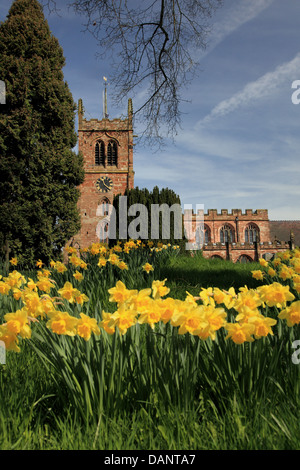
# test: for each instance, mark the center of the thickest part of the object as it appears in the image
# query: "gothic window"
(251, 233)
(104, 208)
(207, 237)
(112, 153)
(226, 234)
(99, 153)
(199, 235)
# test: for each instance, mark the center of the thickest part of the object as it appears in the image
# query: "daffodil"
(62, 323)
(275, 294)
(78, 276)
(17, 323)
(80, 297)
(167, 307)
(102, 261)
(75, 260)
(120, 293)
(159, 289)
(286, 272)
(262, 325)
(122, 265)
(147, 267)
(215, 318)
(206, 295)
(67, 292)
(9, 339)
(114, 259)
(189, 320)
(33, 303)
(263, 262)
(123, 318)
(107, 323)
(240, 333)
(141, 300)
(60, 267)
(86, 326)
(4, 288)
(44, 284)
(258, 275)
(271, 272)
(291, 314)
(246, 304)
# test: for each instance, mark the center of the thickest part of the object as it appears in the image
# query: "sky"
(239, 142)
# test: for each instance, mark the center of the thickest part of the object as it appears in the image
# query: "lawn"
(139, 365)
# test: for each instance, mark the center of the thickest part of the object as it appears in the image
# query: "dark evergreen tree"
(39, 170)
(148, 198)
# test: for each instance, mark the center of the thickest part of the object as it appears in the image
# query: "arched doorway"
(245, 259)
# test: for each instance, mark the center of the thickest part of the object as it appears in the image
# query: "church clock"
(104, 184)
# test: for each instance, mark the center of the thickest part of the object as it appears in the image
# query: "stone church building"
(107, 148)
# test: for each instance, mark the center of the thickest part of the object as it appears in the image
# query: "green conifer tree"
(147, 198)
(39, 170)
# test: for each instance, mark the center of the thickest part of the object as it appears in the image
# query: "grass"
(243, 398)
(31, 423)
(186, 273)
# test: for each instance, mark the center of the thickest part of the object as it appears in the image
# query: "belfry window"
(251, 233)
(112, 153)
(99, 153)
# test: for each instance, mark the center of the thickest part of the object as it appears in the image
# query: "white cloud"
(263, 87)
(211, 144)
(234, 18)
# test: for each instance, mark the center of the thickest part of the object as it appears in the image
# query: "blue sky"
(239, 142)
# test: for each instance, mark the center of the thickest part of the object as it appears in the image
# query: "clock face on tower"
(104, 184)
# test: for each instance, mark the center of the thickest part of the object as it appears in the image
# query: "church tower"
(107, 149)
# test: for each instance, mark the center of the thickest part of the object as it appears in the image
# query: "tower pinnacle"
(105, 114)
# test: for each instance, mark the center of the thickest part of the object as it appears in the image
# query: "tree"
(153, 43)
(39, 170)
(163, 209)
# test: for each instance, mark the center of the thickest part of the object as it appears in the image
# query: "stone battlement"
(104, 125)
(261, 214)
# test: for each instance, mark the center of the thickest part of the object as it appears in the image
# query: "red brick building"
(107, 148)
(237, 236)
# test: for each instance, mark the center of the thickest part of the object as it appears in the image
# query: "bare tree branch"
(151, 43)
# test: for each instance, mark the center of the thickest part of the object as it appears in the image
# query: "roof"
(281, 229)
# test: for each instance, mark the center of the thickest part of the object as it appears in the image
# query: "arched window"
(251, 233)
(226, 234)
(99, 153)
(104, 208)
(207, 236)
(200, 239)
(112, 153)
